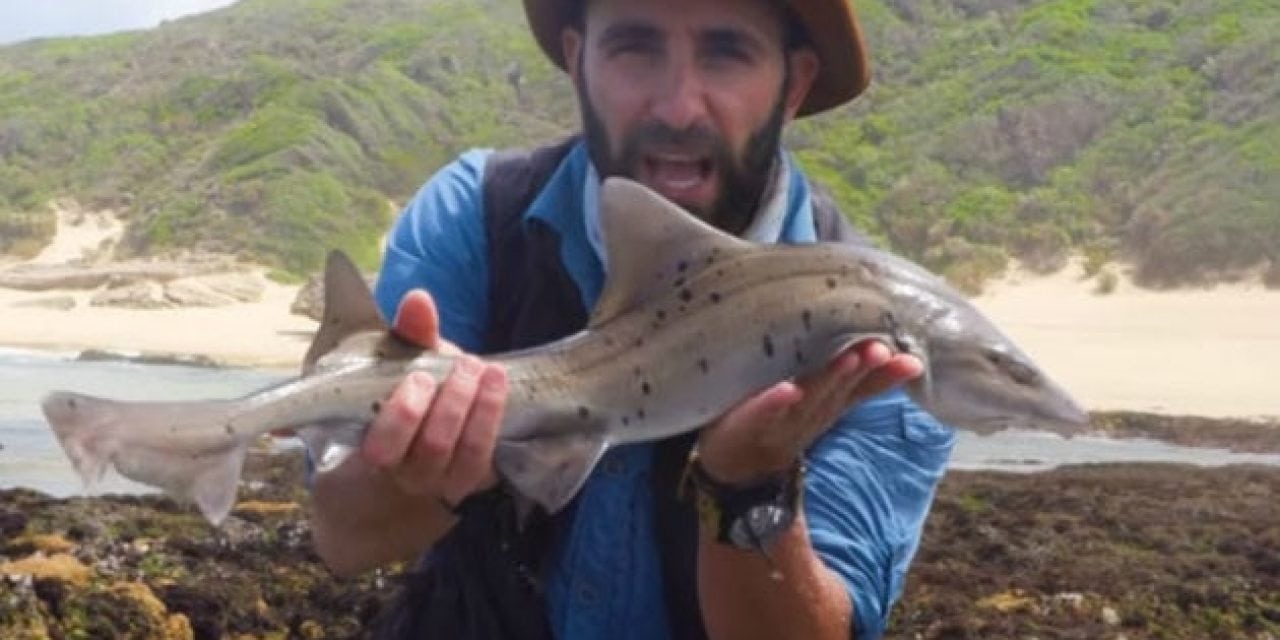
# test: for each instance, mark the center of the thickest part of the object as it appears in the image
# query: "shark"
(690, 322)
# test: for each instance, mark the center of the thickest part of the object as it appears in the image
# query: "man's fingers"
(392, 430)
(432, 450)
(899, 369)
(471, 468)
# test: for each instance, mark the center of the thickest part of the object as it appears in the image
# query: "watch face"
(760, 525)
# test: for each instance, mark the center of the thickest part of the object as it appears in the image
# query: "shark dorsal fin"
(349, 308)
(652, 245)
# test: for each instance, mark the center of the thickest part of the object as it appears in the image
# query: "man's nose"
(682, 100)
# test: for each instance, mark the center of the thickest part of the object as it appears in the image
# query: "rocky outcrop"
(35, 277)
(216, 290)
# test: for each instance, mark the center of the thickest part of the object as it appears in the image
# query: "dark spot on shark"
(376, 407)
(645, 388)
(71, 403)
(626, 421)
(715, 297)
(831, 283)
(807, 318)
(661, 314)
(703, 365)
(767, 343)
(639, 342)
(719, 273)
(686, 295)
(683, 266)
(584, 413)
(679, 282)
(609, 341)
(640, 413)
(231, 431)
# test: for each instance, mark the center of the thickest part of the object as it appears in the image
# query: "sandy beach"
(260, 334)
(1212, 352)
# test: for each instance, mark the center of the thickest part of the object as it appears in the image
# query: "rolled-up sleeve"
(870, 483)
(438, 243)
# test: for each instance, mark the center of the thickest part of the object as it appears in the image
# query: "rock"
(157, 616)
(47, 543)
(57, 567)
(216, 290)
(310, 299)
(139, 295)
(264, 508)
(1073, 601)
(59, 303)
(12, 523)
(1008, 601)
(1110, 617)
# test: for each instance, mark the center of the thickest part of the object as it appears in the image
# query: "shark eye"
(1019, 372)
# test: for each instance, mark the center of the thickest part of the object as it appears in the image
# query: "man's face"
(688, 97)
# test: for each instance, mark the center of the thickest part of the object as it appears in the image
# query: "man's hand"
(436, 437)
(767, 432)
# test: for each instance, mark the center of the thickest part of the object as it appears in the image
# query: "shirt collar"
(765, 228)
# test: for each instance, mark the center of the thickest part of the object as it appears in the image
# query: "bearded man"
(689, 97)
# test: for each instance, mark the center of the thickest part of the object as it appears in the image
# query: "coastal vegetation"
(995, 129)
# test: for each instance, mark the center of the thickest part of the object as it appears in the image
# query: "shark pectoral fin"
(330, 444)
(550, 469)
(650, 243)
(214, 487)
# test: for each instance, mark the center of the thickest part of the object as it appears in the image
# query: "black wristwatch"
(746, 517)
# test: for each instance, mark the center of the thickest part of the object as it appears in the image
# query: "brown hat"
(831, 26)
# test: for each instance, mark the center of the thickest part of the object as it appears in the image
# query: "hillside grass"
(995, 129)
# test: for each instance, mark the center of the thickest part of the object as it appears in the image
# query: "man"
(688, 97)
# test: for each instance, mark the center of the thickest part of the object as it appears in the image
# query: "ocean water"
(31, 457)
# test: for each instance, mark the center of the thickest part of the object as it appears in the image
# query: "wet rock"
(1110, 617)
(55, 567)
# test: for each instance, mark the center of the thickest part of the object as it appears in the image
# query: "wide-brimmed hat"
(831, 27)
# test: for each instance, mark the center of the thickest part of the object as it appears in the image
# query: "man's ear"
(571, 43)
(804, 69)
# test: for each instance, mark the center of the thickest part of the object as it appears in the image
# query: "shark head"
(975, 376)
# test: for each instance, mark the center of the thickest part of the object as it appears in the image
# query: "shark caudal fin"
(143, 440)
(550, 469)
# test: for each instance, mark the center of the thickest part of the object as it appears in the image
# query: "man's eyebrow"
(630, 31)
(731, 36)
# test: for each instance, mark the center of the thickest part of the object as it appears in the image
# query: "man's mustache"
(659, 135)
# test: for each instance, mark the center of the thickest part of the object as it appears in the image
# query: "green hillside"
(276, 129)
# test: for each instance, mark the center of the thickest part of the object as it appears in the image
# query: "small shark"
(691, 321)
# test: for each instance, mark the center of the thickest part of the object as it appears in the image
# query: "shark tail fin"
(550, 469)
(94, 433)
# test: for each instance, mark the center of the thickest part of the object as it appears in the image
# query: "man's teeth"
(678, 174)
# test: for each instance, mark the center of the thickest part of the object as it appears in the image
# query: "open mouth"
(680, 177)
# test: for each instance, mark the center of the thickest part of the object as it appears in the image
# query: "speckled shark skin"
(691, 322)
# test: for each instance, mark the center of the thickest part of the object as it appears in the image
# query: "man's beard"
(742, 183)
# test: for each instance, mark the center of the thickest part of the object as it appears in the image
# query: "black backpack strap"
(482, 580)
(532, 299)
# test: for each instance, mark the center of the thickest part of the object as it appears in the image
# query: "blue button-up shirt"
(870, 479)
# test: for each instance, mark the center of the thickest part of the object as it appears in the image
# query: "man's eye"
(634, 47)
(727, 52)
